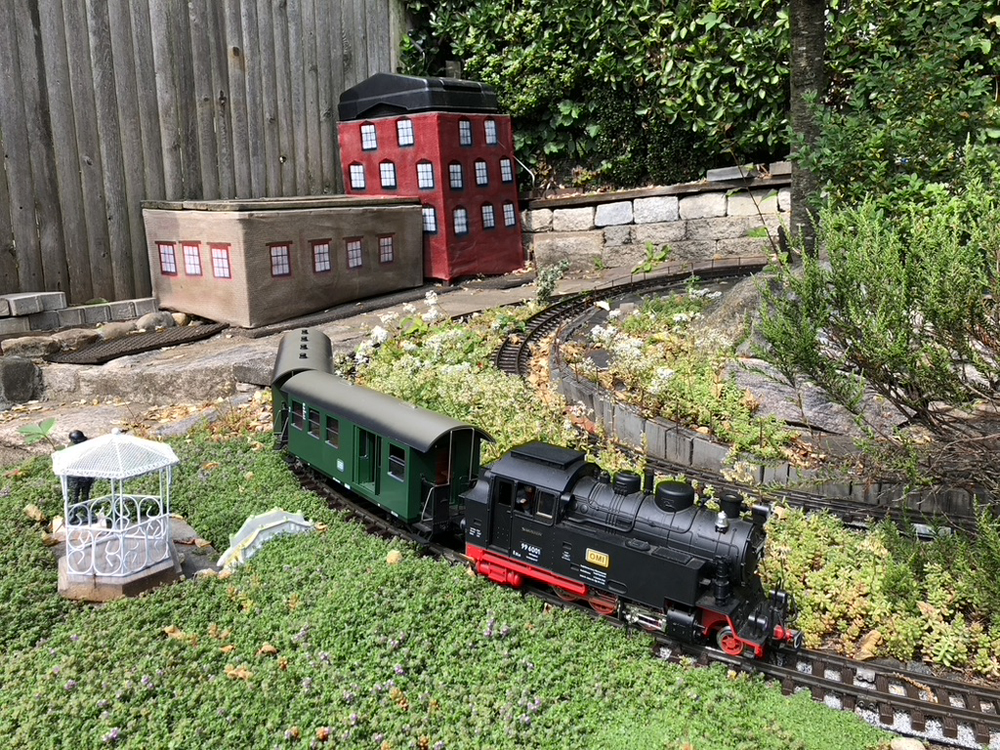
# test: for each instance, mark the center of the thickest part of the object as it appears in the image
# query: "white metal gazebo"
(121, 533)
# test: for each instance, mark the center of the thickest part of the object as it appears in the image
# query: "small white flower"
(614, 314)
(431, 316)
(409, 308)
(378, 335)
(390, 316)
(431, 298)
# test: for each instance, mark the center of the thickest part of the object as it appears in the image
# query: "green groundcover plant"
(318, 641)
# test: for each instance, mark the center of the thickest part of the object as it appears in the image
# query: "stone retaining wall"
(698, 221)
(688, 448)
(47, 311)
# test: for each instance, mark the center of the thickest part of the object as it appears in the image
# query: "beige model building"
(254, 262)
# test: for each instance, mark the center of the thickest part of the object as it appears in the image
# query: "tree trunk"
(808, 81)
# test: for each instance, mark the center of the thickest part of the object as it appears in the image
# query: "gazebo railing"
(117, 535)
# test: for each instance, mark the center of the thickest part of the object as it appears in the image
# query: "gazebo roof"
(113, 456)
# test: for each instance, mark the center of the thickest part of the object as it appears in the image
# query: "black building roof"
(386, 94)
(377, 412)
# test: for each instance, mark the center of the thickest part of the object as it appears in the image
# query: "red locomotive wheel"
(565, 595)
(604, 605)
(728, 641)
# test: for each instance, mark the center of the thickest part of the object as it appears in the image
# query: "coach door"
(369, 449)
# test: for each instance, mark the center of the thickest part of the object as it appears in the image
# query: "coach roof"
(377, 412)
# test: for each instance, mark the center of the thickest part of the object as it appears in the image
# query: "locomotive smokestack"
(648, 477)
(731, 504)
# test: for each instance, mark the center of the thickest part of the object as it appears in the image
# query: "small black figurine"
(79, 487)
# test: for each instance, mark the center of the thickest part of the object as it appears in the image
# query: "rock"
(76, 338)
(868, 645)
(20, 380)
(153, 320)
(906, 743)
(180, 318)
(117, 330)
(31, 347)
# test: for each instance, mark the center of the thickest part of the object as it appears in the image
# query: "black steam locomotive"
(541, 514)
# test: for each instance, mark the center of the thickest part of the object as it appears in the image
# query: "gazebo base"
(95, 588)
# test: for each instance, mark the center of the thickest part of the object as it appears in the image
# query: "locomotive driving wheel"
(566, 596)
(728, 642)
(603, 604)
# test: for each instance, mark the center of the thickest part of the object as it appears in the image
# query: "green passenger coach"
(412, 462)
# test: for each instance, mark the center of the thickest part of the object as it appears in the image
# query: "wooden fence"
(106, 103)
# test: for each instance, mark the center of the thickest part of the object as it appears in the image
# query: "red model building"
(443, 141)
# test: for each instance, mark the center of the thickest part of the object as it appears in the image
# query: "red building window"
(221, 268)
(425, 175)
(482, 173)
(386, 249)
(430, 219)
(461, 217)
(489, 218)
(192, 258)
(387, 173)
(354, 252)
(404, 132)
(280, 260)
(357, 172)
(168, 258)
(369, 140)
(490, 131)
(321, 256)
(464, 133)
(506, 170)
(455, 177)
(509, 214)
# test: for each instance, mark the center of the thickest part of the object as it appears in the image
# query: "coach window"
(314, 423)
(298, 415)
(546, 505)
(333, 431)
(397, 462)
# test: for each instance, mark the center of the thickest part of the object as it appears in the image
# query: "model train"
(541, 514)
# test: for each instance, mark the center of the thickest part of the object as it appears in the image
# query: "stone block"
(613, 214)
(623, 256)
(629, 426)
(618, 235)
(253, 372)
(94, 314)
(663, 233)
(581, 249)
(743, 247)
(741, 172)
(20, 380)
(655, 210)
(115, 330)
(706, 454)
(70, 317)
(573, 219)
(14, 325)
(785, 199)
(779, 168)
(60, 381)
(23, 304)
(703, 206)
(76, 338)
(124, 310)
(752, 203)
(30, 347)
(154, 320)
(4, 307)
(537, 220)
(47, 320)
(145, 305)
(694, 251)
(717, 229)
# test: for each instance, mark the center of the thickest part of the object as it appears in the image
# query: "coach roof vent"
(386, 94)
(673, 496)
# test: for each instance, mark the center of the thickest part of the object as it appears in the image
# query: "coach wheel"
(728, 641)
(566, 596)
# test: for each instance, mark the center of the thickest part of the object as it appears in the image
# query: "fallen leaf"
(267, 650)
(238, 673)
(867, 645)
(33, 512)
(227, 649)
(395, 557)
(173, 631)
(202, 543)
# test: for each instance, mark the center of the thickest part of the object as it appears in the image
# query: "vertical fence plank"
(352, 46)
(166, 96)
(221, 99)
(16, 155)
(297, 78)
(149, 123)
(203, 99)
(88, 148)
(269, 98)
(283, 84)
(8, 260)
(126, 89)
(254, 98)
(34, 88)
(64, 151)
(376, 36)
(329, 65)
(186, 104)
(113, 168)
(237, 60)
(311, 122)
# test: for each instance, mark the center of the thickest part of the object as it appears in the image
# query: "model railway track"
(514, 357)
(514, 354)
(908, 702)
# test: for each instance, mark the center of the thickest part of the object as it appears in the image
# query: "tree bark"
(808, 81)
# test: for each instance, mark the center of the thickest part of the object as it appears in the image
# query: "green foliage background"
(635, 91)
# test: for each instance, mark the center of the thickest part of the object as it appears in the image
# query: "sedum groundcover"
(319, 641)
